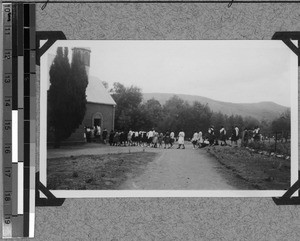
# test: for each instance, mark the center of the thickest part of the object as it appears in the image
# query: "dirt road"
(175, 169)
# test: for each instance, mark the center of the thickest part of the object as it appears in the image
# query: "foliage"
(152, 112)
(282, 124)
(176, 115)
(279, 147)
(128, 100)
(66, 95)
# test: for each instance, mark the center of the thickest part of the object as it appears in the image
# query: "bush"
(281, 148)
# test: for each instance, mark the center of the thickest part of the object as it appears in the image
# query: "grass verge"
(97, 172)
(259, 171)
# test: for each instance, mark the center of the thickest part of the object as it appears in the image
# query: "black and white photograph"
(168, 118)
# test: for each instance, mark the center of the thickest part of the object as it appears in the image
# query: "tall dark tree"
(172, 110)
(77, 84)
(198, 118)
(128, 100)
(152, 113)
(57, 101)
(66, 95)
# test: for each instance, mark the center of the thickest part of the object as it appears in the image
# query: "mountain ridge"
(264, 110)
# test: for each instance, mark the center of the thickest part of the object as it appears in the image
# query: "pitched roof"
(96, 92)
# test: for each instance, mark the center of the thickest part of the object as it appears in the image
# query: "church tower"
(85, 54)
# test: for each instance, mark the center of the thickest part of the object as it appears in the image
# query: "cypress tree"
(66, 95)
(77, 84)
(57, 97)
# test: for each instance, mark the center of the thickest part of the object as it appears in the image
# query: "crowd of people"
(168, 139)
(142, 138)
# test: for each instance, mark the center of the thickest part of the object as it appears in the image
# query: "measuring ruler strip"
(7, 120)
(20, 110)
(33, 115)
(28, 126)
(14, 112)
(33, 144)
(17, 119)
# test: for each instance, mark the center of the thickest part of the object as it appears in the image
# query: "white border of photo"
(167, 193)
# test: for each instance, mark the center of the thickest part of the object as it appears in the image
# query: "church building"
(100, 107)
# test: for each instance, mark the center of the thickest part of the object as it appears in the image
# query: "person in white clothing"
(150, 137)
(195, 139)
(200, 138)
(172, 139)
(181, 140)
(235, 135)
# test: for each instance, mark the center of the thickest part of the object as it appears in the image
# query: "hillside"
(260, 111)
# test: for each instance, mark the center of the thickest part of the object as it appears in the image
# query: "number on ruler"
(8, 11)
(7, 79)
(7, 125)
(7, 220)
(7, 197)
(7, 149)
(7, 172)
(7, 31)
(7, 102)
(7, 55)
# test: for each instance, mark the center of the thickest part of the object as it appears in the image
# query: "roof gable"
(96, 92)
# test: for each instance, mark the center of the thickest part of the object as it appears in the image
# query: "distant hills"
(261, 111)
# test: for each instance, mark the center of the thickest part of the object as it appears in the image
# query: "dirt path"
(173, 169)
(180, 170)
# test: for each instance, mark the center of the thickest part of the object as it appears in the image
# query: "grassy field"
(259, 171)
(97, 172)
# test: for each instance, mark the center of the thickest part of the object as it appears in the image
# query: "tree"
(105, 84)
(66, 95)
(77, 84)
(282, 125)
(128, 100)
(250, 122)
(201, 117)
(171, 113)
(217, 120)
(152, 113)
(180, 115)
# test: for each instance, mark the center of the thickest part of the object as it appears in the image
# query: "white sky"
(244, 71)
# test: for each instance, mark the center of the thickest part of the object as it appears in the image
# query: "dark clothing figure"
(88, 134)
(104, 135)
(235, 135)
(211, 136)
(167, 139)
(111, 137)
(144, 138)
(122, 138)
(117, 139)
(223, 136)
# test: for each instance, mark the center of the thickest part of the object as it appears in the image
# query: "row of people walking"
(142, 138)
(167, 140)
(213, 139)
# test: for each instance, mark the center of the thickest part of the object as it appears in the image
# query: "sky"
(239, 71)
